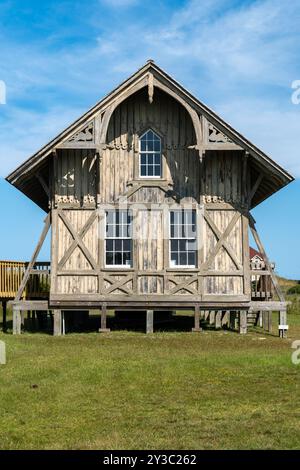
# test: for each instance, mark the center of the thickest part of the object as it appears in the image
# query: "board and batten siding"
(216, 188)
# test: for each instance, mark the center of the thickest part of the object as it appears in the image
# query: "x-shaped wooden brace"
(222, 241)
(119, 284)
(184, 285)
(78, 240)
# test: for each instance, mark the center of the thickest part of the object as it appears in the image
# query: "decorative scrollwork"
(217, 137)
(85, 135)
(88, 199)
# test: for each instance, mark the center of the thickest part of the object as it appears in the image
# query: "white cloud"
(274, 131)
(241, 60)
(31, 131)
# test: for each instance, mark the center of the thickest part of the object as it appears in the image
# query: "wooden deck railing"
(261, 285)
(11, 274)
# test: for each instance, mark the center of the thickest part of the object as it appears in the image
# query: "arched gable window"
(150, 155)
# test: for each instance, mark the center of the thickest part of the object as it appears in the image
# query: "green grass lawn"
(126, 390)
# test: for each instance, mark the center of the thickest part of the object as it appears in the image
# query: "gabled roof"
(253, 252)
(24, 176)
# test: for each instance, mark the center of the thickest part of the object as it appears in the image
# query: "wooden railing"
(11, 274)
(38, 285)
(261, 285)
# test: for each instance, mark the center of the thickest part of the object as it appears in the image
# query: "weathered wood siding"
(68, 263)
(222, 177)
(149, 251)
(76, 177)
(173, 123)
(85, 185)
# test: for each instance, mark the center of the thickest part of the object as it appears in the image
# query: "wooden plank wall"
(76, 177)
(172, 122)
(215, 187)
(77, 261)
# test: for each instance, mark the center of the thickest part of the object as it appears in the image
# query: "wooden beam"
(244, 177)
(43, 184)
(255, 188)
(246, 258)
(269, 305)
(34, 257)
(77, 145)
(30, 304)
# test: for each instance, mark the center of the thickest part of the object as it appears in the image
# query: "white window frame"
(194, 238)
(153, 152)
(122, 237)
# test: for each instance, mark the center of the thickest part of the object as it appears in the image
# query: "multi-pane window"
(183, 238)
(150, 155)
(118, 241)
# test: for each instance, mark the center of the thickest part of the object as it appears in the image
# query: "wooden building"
(148, 196)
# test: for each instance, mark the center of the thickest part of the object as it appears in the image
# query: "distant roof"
(24, 177)
(253, 252)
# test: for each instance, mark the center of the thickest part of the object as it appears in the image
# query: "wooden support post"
(103, 328)
(57, 323)
(149, 321)
(4, 314)
(16, 321)
(197, 319)
(218, 320)
(212, 317)
(282, 327)
(243, 322)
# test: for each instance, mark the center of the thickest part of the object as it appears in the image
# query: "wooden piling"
(149, 321)
(197, 319)
(104, 328)
(16, 321)
(243, 322)
(57, 323)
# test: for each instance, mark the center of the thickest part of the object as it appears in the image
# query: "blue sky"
(239, 57)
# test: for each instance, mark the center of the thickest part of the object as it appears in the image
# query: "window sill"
(183, 268)
(117, 267)
(145, 179)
